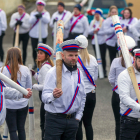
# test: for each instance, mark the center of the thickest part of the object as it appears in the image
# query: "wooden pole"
(17, 37)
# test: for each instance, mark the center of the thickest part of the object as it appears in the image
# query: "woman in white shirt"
(21, 18)
(44, 64)
(38, 14)
(111, 38)
(16, 109)
(89, 68)
(127, 21)
(96, 28)
(117, 66)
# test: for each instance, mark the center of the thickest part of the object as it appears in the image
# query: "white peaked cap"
(137, 52)
(130, 42)
(40, 2)
(83, 41)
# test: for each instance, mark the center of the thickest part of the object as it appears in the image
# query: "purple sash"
(130, 20)
(35, 23)
(20, 19)
(63, 16)
(76, 92)
(76, 22)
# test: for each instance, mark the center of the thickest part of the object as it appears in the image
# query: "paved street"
(103, 119)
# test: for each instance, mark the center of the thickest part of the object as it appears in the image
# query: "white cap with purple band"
(40, 2)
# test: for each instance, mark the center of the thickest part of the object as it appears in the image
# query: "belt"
(67, 116)
(131, 118)
(76, 33)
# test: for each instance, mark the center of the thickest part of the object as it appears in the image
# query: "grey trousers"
(58, 127)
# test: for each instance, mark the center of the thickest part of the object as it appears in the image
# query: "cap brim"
(70, 50)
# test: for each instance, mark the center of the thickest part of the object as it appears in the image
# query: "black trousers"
(112, 52)
(74, 35)
(34, 42)
(15, 119)
(24, 38)
(87, 117)
(57, 127)
(1, 47)
(103, 55)
(116, 111)
(129, 129)
(42, 116)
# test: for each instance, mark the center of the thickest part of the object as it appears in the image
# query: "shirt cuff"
(78, 116)
(52, 98)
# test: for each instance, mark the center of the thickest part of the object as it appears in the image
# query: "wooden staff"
(17, 36)
(67, 20)
(98, 56)
(125, 52)
(5, 133)
(31, 114)
(40, 32)
(59, 40)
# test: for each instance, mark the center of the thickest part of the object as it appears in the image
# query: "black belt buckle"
(68, 116)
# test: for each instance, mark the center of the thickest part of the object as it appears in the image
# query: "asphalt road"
(103, 119)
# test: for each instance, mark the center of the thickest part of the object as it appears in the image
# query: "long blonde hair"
(111, 8)
(47, 58)
(13, 59)
(84, 56)
(100, 20)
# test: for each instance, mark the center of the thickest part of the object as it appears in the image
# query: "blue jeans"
(15, 119)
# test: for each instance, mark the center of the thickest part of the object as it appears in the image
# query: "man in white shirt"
(61, 14)
(21, 18)
(3, 27)
(64, 107)
(129, 106)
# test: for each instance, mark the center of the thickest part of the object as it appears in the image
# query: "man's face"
(137, 63)
(70, 57)
(20, 11)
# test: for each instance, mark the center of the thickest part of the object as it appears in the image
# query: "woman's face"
(40, 56)
(126, 14)
(97, 16)
(113, 12)
(40, 8)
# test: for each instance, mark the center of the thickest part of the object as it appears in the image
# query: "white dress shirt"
(59, 16)
(111, 38)
(69, 84)
(115, 69)
(34, 32)
(135, 28)
(100, 33)
(40, 76)
(124, 23)
(127, 94)
(11, 94)
(92, 68)
(25, 81)
(3, 21)
(25, 27)
(81, 27)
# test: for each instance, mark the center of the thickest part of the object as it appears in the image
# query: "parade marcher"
(16, 109)
(129, 106)
(3, 27)
(126, 21)
(21, 18)
(44, 63)
(78, 24)
(111, 40)
(64, 107)
(38, 14)
(117, 66)
(11, 94)
(88, 65)
(61, 14)
(96, 28)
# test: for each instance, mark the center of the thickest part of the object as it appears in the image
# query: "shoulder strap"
(86, 71)
(1, 95)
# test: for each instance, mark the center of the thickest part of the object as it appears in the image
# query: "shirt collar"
(136, 71)
(66, 70)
